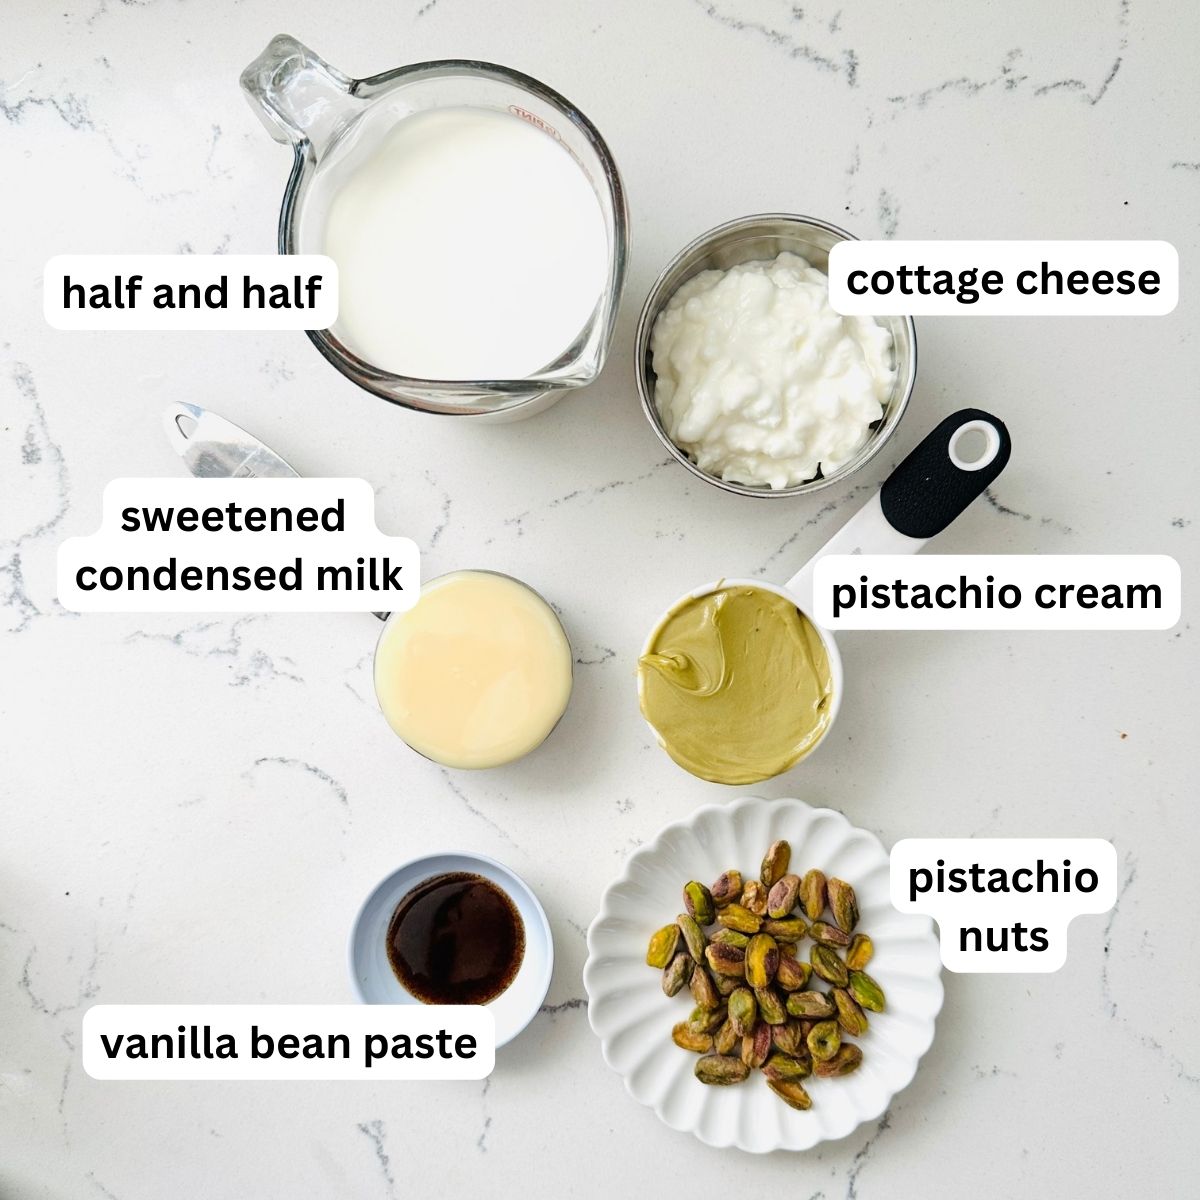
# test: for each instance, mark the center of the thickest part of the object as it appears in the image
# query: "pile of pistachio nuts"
(754, 1007)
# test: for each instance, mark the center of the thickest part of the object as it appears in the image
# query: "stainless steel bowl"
(750, 239)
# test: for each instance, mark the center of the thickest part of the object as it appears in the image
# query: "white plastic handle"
(867, 532)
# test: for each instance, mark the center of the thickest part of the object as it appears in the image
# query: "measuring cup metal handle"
(297, 95)
(920, 498)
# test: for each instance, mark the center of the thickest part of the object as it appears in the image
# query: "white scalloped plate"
(633, 1019)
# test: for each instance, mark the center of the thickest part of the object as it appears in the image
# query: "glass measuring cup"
(330, 120)
(921, 497)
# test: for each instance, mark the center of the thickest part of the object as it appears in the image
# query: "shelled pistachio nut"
(754, 898)
(866, 991)
(693, 936)
(762, 960)
(770, 1007)
(704, 991)
(848, 1058)
(698, 901)
(663, 945)
(792, 975)
(860, 952)
(786, 1066)
(810, 1005)
(791, 1092)
(828, 966)
(812, 894)
(788, 1038)
(726, 888)
(739, 918)
(824, 1041)
(850, 1016)
(743, 1011)
(687, 1038)
(843, 903)
(783, 896)
(775, 862)
(826, 934)
(786, 929)
(725, 960)
(731, 937)
(720, 1069)
(677, 973)
(756, 1046)
(726, 1040)
(706, 1020)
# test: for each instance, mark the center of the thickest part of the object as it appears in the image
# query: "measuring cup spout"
(297, 95)
(920, 498)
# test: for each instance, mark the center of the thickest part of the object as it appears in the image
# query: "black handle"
(929, 489)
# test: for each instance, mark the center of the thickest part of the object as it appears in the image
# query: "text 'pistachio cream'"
(737, 685)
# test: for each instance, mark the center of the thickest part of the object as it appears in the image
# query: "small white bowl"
(374, 980)
(633, 1019)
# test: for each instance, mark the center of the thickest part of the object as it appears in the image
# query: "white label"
(1004, 279)
(1004, 904)
(238, 545)
(996, 591)
(288, 1041)
(190, 291)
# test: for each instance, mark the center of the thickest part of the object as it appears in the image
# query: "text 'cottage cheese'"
(760, 381)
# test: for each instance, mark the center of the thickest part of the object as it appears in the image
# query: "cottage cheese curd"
(760, 381)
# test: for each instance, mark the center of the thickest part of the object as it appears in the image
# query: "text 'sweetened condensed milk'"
(477, 674)
(470, 246)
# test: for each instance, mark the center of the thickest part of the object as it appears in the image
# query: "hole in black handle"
(927, 491)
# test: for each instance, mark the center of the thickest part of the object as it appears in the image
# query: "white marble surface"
(193, 807)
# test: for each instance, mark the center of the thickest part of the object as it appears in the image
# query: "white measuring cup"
(920, 498)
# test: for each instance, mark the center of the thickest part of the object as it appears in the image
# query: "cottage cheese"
(760, 381)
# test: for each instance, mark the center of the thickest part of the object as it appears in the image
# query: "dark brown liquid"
(456, 939)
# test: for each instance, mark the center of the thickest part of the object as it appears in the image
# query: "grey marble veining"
(189, 799)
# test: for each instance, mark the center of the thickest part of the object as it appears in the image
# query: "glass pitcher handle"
(297, 95)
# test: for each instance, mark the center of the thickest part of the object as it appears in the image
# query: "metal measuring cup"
(753, 239)
(920, 498)
(319, 111)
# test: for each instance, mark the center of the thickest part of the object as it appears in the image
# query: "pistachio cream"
(737, 685)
